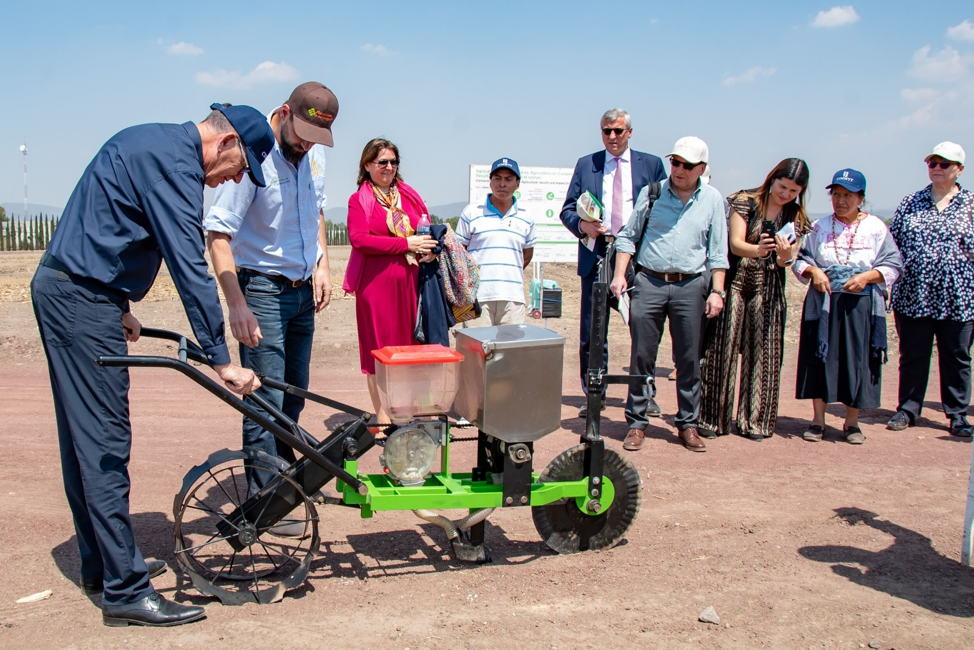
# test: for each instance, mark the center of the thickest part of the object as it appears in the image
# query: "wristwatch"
(722, 294)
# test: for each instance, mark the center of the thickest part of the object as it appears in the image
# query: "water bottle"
(424, 225)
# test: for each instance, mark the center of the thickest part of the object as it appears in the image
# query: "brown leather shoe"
(691, 439)
(634, 440)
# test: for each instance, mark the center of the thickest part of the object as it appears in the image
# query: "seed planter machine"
(232, 510)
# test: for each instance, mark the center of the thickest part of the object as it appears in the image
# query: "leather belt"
(52, 262)
(93, 285)
(280, 279)
(669, 277)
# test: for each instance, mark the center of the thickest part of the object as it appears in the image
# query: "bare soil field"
(795, 545)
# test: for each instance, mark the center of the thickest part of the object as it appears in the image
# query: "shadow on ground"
(911, 568)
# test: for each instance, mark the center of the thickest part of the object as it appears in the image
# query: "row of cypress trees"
(31, 234)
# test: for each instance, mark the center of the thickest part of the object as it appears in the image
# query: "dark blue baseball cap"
(255, 133)
(852, 180)
(505, 163)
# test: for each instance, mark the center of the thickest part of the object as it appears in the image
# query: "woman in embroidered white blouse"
(850, 260)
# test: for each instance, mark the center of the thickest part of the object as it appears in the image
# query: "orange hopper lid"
(411, 355)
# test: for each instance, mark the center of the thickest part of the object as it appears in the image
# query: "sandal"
(814, 433)
(853, 435)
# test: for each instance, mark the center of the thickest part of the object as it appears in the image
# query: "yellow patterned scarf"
(396, 219)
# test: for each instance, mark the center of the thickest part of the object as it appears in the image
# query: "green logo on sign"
(517, 194)
(550, 196)
(550, 213)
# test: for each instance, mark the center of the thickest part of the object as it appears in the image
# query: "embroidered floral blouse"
(938, 257)
(831, 242)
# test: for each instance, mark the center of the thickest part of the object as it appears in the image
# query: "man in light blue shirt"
(680, 247)
(270, 255)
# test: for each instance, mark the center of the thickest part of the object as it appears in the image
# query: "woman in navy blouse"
(934, 229)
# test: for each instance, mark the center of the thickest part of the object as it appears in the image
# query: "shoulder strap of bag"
(654, 192)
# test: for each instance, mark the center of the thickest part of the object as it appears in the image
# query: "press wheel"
(218, 543)
(565, 526)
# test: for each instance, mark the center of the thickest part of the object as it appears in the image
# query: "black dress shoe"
(583, 411)
(959, 426)
(153, 610)
(652, 408)
(94, 586)
(900, 421)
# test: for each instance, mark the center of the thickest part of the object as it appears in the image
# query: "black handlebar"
(295, 438)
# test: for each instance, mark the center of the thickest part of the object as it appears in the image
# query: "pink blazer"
(363, 201)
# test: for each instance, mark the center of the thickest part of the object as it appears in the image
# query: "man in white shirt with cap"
(271, 258)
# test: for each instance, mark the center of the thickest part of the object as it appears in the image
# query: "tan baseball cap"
(314, 108)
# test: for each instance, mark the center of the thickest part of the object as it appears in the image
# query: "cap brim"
(940, 155)
(316, 134)
(852, 187)
(256, 173)
(507, 167)
(683, 154)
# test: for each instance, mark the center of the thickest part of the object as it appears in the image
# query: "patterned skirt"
(749, 330)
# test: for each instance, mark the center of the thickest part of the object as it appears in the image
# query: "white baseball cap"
(691, 149)
(948, 151)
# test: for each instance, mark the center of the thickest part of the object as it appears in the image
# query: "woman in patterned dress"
(934, 229)
(752, 324)
(850, 260)
(383, 269)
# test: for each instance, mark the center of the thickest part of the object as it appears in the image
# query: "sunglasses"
(386, 163)
(943, 164)
(608, 130)
(685, 165)
(246, 160)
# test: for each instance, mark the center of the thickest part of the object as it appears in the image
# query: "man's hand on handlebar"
(241, 381)
(132, 327)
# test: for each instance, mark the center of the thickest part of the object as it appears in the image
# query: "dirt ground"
(794, 544)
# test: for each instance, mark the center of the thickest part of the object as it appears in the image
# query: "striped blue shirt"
(497, 242)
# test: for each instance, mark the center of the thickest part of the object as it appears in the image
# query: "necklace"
(852, 239)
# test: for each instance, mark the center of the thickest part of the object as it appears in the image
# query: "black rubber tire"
(565, 528)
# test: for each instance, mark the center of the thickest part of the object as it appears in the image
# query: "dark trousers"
(79, 321)
(585, 335)
(954, 360)
(652, 301)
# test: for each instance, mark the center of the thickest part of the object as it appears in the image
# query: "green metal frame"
(444, 490)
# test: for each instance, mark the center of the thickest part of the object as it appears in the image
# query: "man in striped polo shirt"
(500, 238)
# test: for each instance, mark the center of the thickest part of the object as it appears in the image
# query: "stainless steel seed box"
(510, 380)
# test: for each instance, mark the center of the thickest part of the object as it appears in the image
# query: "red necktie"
(616, 216)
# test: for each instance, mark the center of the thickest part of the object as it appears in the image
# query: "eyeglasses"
(386, 163)
(608, 130)
(243, 151)
(943, 164)
(685, 165)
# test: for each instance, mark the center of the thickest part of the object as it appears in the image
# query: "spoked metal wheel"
(567, 525)
(231, 545)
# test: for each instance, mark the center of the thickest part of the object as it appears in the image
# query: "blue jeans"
(286, 316)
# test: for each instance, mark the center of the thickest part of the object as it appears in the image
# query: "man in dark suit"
(615, 177)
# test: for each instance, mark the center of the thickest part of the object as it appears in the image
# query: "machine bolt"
(593, 506)
(595, 493)
(524, 500)
(509, 500)
(596, 480)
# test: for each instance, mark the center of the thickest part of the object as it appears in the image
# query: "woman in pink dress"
(383, 267)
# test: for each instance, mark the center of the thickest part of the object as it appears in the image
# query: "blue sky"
(872, 85)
